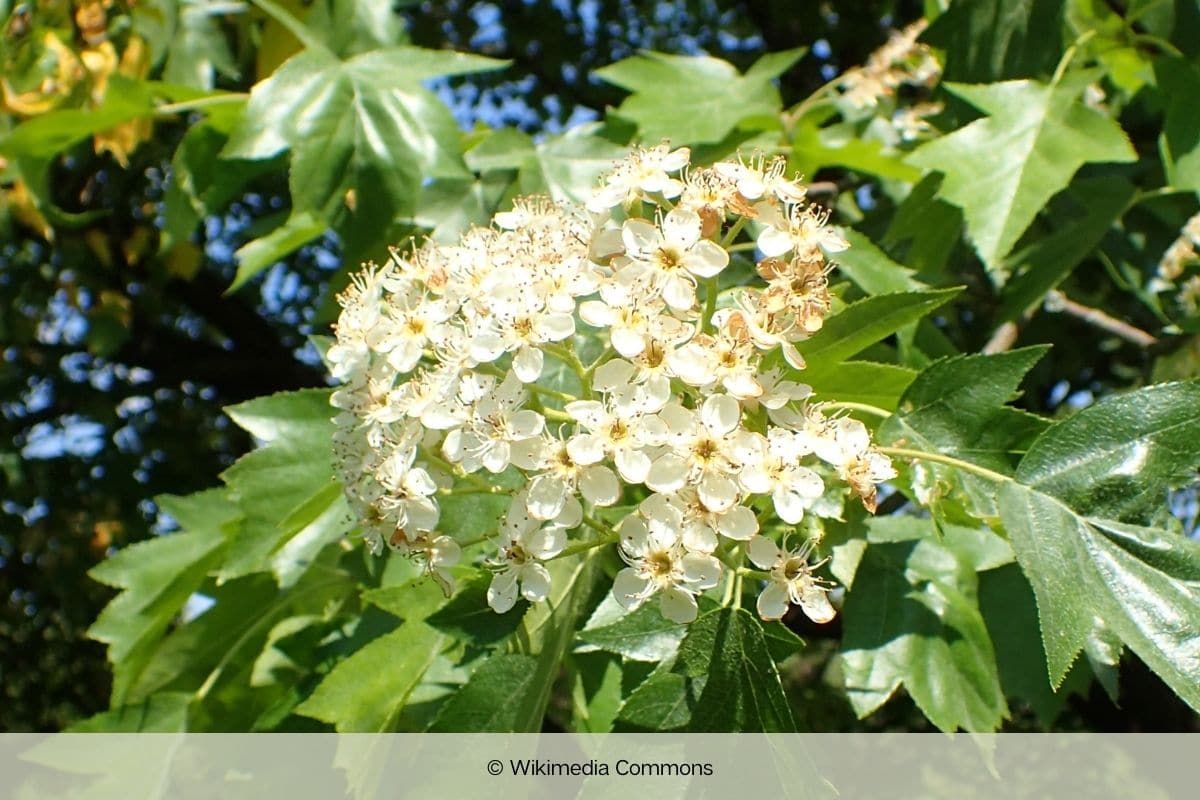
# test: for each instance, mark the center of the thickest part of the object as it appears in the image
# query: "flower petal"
(762, 552)
(599, 486)
(535, 582)
(773, 602)
(678, 605)
(630, 589)
(502, 594)
(527, 363)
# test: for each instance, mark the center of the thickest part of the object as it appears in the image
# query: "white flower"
(518, 324)
(674, 255)
(526, 543)
(660, 564)
(790, 581)
(846, 443)
(703, 451)
(804, 234)
(497, 432)
(642, 387)
(438, 554)
(723, 359)
(562, 476)
(700, 524)
(608, 434)
(630, 312)
(772, 467)
(645, 171)
(409, 491)
(413, 322)
(762, 178)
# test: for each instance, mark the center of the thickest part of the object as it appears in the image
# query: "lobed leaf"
(1003, 169)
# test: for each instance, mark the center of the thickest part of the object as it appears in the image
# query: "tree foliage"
(184, 186)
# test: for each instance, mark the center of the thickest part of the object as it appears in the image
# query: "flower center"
(669, 259)
(794, 568)
(705, 450)
(516, 554)
(659, 563)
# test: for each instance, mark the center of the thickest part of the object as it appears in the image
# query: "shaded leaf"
(742, 690)
(642, 635)
(663, 702)
(911, 618)
(486, 703)
(1048, 260)
(157, 577)
(1010, 611)
(988, 40)
(467, 616)
(366, 692)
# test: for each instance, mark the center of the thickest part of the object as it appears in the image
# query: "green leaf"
(988, 40)
(878, 385)
(1010, 611)
(467, 616)
(548, 628)
(255, 256)
(643, 635)
(1180, 140)
(366, 692)
(925, 229)
(1141, 583)
(774, 65)
(912, 618)
(867, 321)
(871, 269)
(742, 690)
(489, 700)
(690, 100)
(1001, 170)
(199, 49)
(663, 702)
(567, 167)
(957, 407)
(366, 124)
(157, 577)
(275, 481)
(214, 655)
(1049, 259)
(596, 697)
(47, 135)
(165, 712)
(1118, 458)
(816, 146)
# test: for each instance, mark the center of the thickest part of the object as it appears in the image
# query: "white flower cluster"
(901, 61)
(1177, 268)
(684, 412)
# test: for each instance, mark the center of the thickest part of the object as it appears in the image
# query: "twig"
(1058, 302)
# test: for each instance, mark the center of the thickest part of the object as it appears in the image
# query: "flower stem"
(733, 232)
(568, 356)
(965, 466)
(865, 408)
(710, 304)
(583, 547)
